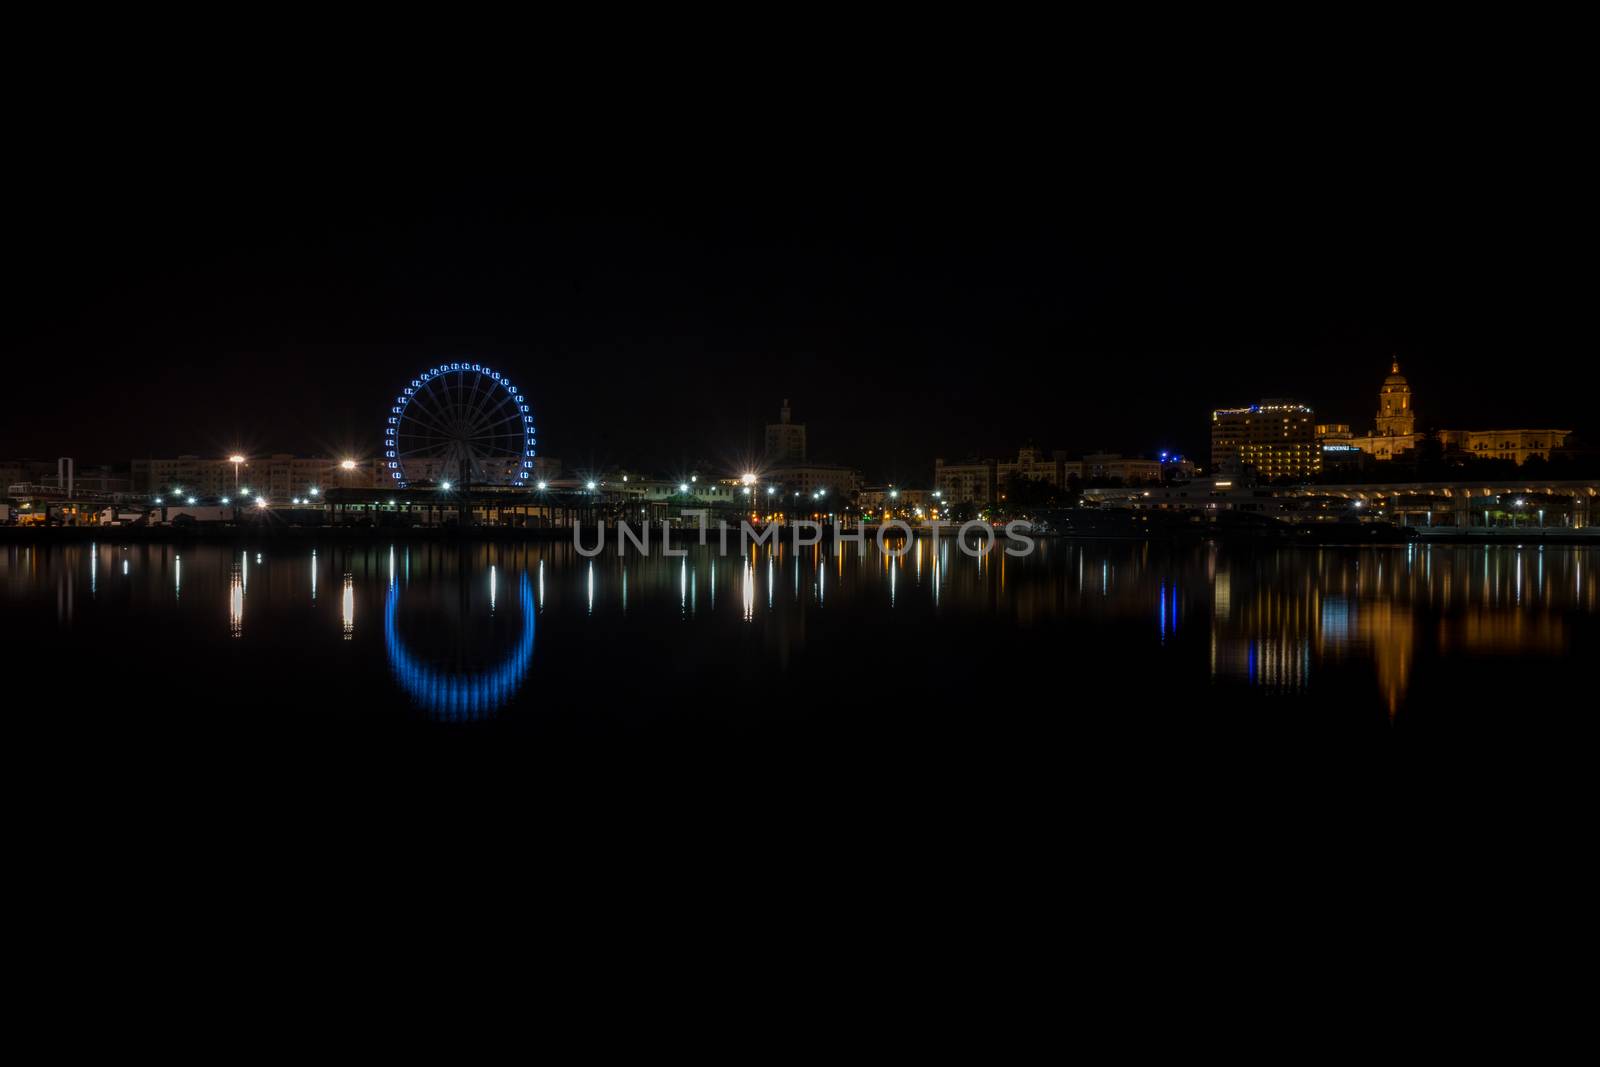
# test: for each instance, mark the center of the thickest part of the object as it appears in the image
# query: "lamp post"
(236, 460)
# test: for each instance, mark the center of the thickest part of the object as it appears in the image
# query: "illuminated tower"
(1396, 418)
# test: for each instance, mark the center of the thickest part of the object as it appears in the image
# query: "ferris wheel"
(459, 422)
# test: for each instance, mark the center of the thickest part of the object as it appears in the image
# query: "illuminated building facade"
(1033, 463)
(1333, 433)
(1395, 431)
(1517, 445)
(1275, 438)
(279, 476)
(980, 481)
(1395, 423)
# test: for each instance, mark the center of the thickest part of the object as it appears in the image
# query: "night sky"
(658, 297)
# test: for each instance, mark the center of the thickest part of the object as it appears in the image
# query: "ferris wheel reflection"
(460, 696)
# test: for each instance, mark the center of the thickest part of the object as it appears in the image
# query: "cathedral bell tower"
(1396, 418)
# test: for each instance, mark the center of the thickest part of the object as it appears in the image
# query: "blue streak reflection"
(460, 697)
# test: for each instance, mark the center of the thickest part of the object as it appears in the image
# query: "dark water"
(940, 672)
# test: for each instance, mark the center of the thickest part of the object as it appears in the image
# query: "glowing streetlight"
(683, 487)
(444, 486)
(772, 490)
(748, 478)
(542, 487)
(191, 500)
(314, 490)
(347, 465)
(589, 486)
(236, 460)
(261, 501)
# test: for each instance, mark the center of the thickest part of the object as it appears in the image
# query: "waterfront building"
(877, 498)
(1517, 445)
(1132, 470)
(688, 491)
(281, 476)
(974, 482)
(1053, 468)
(983, 481)
(1275, 438)
(808, 478)
(787, 469)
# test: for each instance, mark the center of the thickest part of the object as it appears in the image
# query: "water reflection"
(1386, 628)
(347, 606)
(236, 601)
(448, 692)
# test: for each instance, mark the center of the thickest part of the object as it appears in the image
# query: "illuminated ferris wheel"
(459, 422)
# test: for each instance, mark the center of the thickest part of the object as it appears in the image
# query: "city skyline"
(907, 319)
(1424, 422)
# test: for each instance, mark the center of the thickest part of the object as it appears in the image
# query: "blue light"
(460, 696)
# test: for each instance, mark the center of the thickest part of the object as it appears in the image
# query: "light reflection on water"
(1274, 620)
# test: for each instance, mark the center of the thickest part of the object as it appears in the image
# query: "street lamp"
(236, 460)
(345, 467)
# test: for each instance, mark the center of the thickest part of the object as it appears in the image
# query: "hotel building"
(1275, 438)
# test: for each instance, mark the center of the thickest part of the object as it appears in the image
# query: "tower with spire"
(786, 439)
(1396, 416)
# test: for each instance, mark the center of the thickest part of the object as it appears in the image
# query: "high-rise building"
(786, 440)
(1275, 438)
